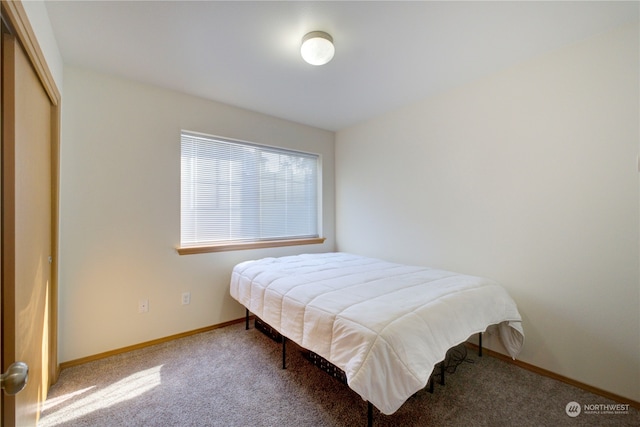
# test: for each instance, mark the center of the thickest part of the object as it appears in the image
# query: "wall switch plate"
(143, 306)
(186, 298)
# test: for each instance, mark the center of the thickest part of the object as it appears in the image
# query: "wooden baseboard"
(106, 354)
(553, 375)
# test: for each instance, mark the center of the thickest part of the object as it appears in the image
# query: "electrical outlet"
(186, 298)
(143, 306)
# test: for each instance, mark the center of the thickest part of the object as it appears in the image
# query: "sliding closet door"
(26, 229)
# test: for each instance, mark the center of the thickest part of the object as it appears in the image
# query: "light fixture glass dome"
(317, 48)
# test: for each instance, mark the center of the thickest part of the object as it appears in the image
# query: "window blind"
(242, 192)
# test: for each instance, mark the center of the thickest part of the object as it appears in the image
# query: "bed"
(386, 325)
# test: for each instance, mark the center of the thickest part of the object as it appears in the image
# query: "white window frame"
(190, 242)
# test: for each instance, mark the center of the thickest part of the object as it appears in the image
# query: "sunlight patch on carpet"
(126, 389)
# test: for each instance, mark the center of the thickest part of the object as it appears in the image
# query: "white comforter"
(386, 325)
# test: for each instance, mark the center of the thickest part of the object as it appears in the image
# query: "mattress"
(386, 325)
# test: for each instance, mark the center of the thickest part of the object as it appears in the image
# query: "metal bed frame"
(329, 367)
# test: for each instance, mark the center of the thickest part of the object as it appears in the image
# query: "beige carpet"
(232, 377)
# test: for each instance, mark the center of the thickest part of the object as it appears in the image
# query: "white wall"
(120, 212)
(528, 177)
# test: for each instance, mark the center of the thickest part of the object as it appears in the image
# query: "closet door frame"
(16, 22)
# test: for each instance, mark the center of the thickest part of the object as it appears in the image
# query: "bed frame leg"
(284, 352)
(479, 344)
(246, 319)
(369, 414)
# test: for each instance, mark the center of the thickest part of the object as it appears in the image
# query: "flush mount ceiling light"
(317, 48)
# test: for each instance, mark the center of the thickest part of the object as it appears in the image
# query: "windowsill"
(190, 250)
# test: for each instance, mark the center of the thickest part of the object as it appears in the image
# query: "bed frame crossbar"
(320, 361)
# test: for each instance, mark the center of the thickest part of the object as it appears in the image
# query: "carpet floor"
(232, 377)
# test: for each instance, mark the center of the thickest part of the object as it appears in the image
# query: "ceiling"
(388, 54)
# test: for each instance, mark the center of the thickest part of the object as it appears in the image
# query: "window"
(234, 193)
